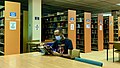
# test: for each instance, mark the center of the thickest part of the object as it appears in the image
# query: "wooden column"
(87, 32)
(25, 31)
(118, 28)
(111, 31)
(72, 26)
(34, 20)
(100, 32)
(12, 36)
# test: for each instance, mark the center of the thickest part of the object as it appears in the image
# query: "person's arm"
(70, 47)
(55, 53)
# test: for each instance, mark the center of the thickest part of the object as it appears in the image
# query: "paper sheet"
(12, 25)
(72, 27)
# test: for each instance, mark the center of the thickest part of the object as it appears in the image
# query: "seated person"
(61, 46)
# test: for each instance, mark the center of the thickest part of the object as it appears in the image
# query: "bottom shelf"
(1, 53)
(105, 46)
(94, 48)
(81, 47)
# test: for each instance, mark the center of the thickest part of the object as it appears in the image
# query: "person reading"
(62, 46)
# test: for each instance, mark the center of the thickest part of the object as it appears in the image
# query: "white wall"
(35, 10)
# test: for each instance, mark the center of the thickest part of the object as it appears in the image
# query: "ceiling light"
(118, 4)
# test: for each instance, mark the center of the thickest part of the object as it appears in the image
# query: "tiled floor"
(101, 57)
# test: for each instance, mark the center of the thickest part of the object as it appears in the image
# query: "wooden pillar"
(34, 20)
(100, 32)
(12, 28)
(87, 32)
(118, 28)
(111, 31)
(72, 26)
(25, 31)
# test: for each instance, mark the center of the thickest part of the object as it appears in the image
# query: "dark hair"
(60, 29)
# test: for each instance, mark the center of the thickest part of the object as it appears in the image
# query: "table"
(35, 44)
(35, 60)
(112, 42)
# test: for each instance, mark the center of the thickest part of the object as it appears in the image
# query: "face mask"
(58, 37)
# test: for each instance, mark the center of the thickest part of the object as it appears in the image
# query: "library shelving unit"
(10, 28)
(115, 29)
(83, 32)
(108, 31)
(94, 33)
(80, 31)
(72, 26)
(66, 20)
(51, 22)
(2, 29)
(97, 32)
(119, 28)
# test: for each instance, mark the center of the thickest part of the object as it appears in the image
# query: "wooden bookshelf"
(72, 26)
(80, 31)
(87, 32)
(108, 31)
(118, 28)
(9, 33)
(66, 20)
(111, 30)
(83, 32)
(94, 33)
(97, 32)
(100, 32)
(51, 22)
(115, 29)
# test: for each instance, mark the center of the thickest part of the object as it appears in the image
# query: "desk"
(35, 60)
(33, 43)
(112, 42)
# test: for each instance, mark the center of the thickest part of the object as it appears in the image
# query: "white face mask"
(58, 37)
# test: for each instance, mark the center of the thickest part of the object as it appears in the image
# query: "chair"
(75, 53)
(117, 47)
(33, 45)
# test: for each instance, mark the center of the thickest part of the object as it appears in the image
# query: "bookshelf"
(51, 22)
(72, 26)
(9, 33)
(115, 29)
(2, 30)
(94, 33)
(97, 32)
(66, 20)
(83, 32)
(80, 31)
(118, 28)
(108, 31)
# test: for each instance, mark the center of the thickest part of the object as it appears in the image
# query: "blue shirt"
(67, 45)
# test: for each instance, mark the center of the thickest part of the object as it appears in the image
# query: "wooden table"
(35, 60)
(112, 42)
(33, 43)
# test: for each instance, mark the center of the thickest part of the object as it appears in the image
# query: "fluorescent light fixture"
(107, 14)
(118, 4)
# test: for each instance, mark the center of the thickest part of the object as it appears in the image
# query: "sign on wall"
(12, 25)
(13, 14)
(36, 27)
(71, 26)
(88, 25)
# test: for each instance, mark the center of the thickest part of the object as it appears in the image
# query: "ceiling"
(86, 5)
(24, 3)
(51, 6)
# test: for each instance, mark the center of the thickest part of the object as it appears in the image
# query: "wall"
(34, 13)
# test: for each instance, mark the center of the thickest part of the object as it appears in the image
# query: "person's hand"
(57, 54)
